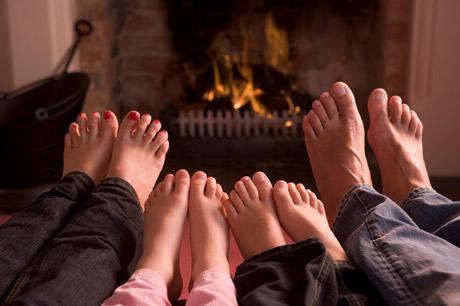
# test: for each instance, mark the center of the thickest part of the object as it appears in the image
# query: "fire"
(234, 76)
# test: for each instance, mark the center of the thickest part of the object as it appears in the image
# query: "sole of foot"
(303, 216)
(209, 234)
(139, 153)
(252, 217)
(395, 136)
(335, 142)
(88, 145)
(164, 219)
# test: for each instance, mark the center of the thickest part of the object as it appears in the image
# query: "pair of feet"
(257, 214)
(335, 141)
(134, 152)
(172, 200)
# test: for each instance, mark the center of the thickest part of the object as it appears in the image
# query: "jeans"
(409, 254)
(73, 246)
(302, 274)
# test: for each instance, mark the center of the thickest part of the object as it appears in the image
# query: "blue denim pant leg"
(434, 213)
(409, 266)
(93, 254)
(22, 237)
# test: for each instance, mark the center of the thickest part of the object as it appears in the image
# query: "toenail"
(339, 90)
(133, 116)
(107, 115)
(378, 95)
(156, 121)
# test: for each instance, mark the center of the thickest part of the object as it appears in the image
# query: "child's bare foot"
(302, 215)
(208, 228)
(395, 136)
(251, 214)
(164, 218)
(139, 153)
(334, 137)
(88, 145)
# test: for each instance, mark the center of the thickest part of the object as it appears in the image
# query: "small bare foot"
(302, 215)
(164, 218)
(251, 214)
(88, 145)
(139, 153)
(208, 227)
(334, 137)
(395, 136)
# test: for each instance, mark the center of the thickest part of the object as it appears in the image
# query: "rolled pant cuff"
(416, 192)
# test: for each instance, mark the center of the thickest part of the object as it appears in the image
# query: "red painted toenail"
(107, 115)
(156, 121)
(133, 116)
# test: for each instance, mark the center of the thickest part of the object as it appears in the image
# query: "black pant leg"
(28, 230)
(93, 254)
(301, 274)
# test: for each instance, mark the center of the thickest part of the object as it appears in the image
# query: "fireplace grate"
(238, 124)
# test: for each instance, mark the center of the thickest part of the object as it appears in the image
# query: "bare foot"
(88, 145)
(302, 215)
(395, 136)
(251, 214)
(334, 137)
(139, 153)
(208, 227)
(164, 218)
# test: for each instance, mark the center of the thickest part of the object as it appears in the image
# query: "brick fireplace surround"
(131, 59)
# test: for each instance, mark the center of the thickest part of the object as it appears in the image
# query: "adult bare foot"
(302, 215)
(251, 214)
(164, 218)
(139, 153)
(88, 145)
(395, 136)
(334, 137)
(208, 227)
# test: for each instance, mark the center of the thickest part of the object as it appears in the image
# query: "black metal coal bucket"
(34, 120)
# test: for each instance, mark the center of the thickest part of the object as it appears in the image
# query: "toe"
(230, 210)
(329, 104)
(240, 188)
(129, 124)
(320, 112)
(320, 207)
(198, 182)
(168, 183)
(211, 186)
(315, 123)
(377, 105)
(413, 122)
(74, 132)
(405, 116)
(343, 98)
(308, 130)
(162, 150)
(93, 124)
(82, 121)
(295, 195)
(263, 185)
(182, 182)
(220, 194)
(312, 199)
(159, 140)
(303, 192)
(142, 125)
(109, 126)
(395, 108)
(67, 141)
(152, 131)
(236, 201)
(419, 131)
(281, 195)
(250, 187)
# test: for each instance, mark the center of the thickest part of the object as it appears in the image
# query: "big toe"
(344, 98)
(378, 105)
(182, 182)
(109, 125)
(198, 182)
(129, 123)
(281, 195)
(263, 185)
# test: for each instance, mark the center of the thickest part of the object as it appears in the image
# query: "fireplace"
(232, 74)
